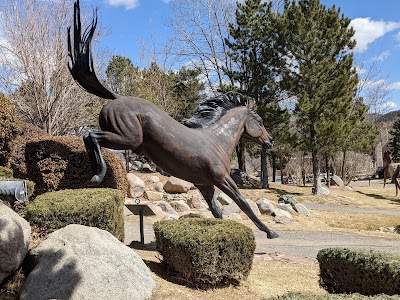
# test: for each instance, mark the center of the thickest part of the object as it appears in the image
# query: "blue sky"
(377, 25)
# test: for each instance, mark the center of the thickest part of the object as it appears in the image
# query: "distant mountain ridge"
(387, 118)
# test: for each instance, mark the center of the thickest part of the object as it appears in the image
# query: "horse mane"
(211, 110)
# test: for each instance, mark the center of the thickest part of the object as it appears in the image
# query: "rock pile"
(180, 198)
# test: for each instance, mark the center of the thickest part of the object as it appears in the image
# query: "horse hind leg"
(93, 143)
(97, 163)
(229, 187)
(209, 195)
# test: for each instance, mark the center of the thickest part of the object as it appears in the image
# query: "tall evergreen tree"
(254, 49)
(320, 73)
(122, 76)
(187, 90)
(394, 142)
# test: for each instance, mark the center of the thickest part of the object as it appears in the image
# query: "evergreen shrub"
(101, 208)
(5, 173)
(307, 296)
(206, 252)
(61, 162)
(359, 271)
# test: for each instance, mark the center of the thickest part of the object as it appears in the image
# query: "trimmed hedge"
(306, 296)
(206, 252)
(17, 161)
(8, 128)
(5, 173)
(359, 271)
(101, 208)
(61, 162)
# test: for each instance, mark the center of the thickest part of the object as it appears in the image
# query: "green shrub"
(101, 208)
(356, 271)
(61, 162)
(8, 128)
(206, 252)
(306, 296)
(5, 173)
(17, 161)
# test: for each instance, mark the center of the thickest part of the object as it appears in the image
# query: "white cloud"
(387, 106)
(367, 31)
(397, 37)
(395, 86)
(360, 71)
(128, 4)
(382, 56)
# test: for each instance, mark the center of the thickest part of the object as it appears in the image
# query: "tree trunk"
(264, 169)
(316, 171)
(344, 166)
(274, 168)
(280, 161)
(240, 152)
(328, 171)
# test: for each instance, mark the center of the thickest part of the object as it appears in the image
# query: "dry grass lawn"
(272, 277)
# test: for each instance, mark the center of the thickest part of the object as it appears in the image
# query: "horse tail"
(80, 60)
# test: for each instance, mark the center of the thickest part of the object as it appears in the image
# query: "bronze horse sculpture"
(390, 170)
(200, 155)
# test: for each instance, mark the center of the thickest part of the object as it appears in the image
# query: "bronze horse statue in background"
(391, 170)
(200, 155)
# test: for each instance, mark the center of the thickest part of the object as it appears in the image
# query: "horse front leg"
(228, 186)
(208, 193)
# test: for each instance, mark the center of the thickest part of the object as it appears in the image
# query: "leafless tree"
(200, 29)
(373, 86)
(34, 70)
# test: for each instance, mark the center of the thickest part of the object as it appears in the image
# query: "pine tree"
(253, 47)
(394, 142)
(320, 73)
(122, 76)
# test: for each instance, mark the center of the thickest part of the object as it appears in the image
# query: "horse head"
(254, 129)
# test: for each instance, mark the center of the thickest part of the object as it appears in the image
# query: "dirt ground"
(346, 218)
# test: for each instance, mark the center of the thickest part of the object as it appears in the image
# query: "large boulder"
(196, 200)
(166, 207)
(14, 240)
(175, 185)
(79, 262)
(224, 199)
(336, 180)
(180, 206)
(265, 206)
(234, 208)
(136, 186)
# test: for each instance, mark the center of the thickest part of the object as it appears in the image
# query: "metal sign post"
(141, 210)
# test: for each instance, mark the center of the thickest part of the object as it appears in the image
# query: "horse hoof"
(96, 179)
(272, 235)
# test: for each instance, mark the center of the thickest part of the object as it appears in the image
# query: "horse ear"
(251, 104)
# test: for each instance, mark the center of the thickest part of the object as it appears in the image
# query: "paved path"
(308, 243)
(291, 243)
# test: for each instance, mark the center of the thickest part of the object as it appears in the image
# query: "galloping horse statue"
(200, 155)
(390, 170)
